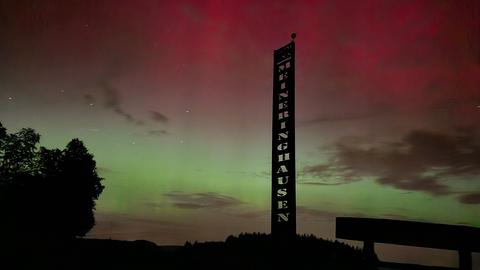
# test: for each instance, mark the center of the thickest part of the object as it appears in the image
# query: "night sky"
(173, 98)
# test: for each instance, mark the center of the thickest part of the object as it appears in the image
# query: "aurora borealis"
(173, 98)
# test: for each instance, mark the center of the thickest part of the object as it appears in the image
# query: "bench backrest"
(409, 233)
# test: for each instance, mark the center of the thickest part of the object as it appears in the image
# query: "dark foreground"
(247, 251)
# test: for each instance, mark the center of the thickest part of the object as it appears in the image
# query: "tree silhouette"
(18, 153)
(81, 186)
(46, 191)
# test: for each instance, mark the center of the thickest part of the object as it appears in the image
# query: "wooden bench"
(464, 239)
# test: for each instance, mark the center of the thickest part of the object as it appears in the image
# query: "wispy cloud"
(201, 200)
(113, 103)
(112, 100)
(372, 112)
(160, 132)
(336, 118)
(89, 99)
(158, 117)
(328, 175)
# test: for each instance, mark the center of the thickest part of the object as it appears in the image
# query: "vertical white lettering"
(282, 217)
(284, 157)
(282, 192)
(283, 105)
(283, 135)
(282, 146)
(282, 169)
(282, 204)
(282, 180)
(282, 115)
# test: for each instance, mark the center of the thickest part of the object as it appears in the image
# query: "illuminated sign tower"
(283, 143)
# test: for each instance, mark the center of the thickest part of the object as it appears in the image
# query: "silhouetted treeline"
(46, 195)
(260, 251)
(246, 251)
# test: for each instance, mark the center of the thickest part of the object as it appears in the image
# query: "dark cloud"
(342, 118)
(89, 99)
(316, 183)
(158, 117)
(427, 184)
(420, 161)
(472, 198)
(113, 102)
(328, 174)
(201, 200)
(159, 133)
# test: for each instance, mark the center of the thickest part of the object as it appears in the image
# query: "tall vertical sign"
(283, 143)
